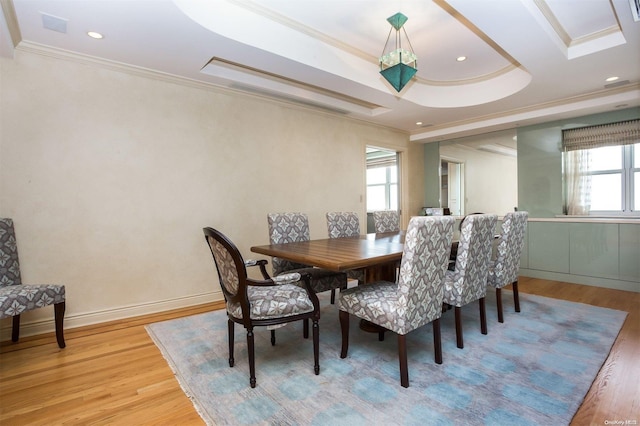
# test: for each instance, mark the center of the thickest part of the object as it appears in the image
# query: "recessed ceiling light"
(461, 58)
(418, 123)
(612, 78)
(94, 34)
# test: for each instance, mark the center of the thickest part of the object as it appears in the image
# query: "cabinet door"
(549, 246)
(594, 249)
(630, 253)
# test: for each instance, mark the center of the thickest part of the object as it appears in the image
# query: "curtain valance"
(621, 133)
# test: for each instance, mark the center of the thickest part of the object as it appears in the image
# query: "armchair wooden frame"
(237, 271)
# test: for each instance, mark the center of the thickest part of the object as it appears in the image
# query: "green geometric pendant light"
(398, 65)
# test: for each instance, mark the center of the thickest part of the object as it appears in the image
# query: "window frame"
(629, 206)
(389, 177)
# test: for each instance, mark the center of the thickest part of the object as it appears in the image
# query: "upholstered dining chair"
(294, 227)
(454, 246)
(16, 298)
(345, 225)
(416, 299)
(254, 303)
(386, 221)
(468, 281)
(503, 270)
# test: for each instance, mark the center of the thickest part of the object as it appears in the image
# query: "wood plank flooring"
(114, 374)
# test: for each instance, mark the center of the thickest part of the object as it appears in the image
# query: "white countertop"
(587, 219)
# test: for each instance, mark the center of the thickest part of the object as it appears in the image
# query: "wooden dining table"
(376, 254)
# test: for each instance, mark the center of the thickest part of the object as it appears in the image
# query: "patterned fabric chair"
(468, 281)
(344, 225)
(416, 299)
(254, 303)
(454, 246)
(386, 221)
(504, 269)
(294, 227)
(16, 298)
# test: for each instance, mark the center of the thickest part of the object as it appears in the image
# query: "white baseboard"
(79, 320)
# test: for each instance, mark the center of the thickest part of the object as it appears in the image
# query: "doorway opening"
(452, 186)
(383, 182)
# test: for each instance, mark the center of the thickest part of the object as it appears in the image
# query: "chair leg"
(499, 304)
(402, 357)
(333, 296)
(316, 347)
(458, 316)
(516, 297)
(273, 337)
(58, 310)
(252, 358)
(230, 327)
(344, 326)
(15, 329)
(437, 341)
(305, 328)
(483, 316)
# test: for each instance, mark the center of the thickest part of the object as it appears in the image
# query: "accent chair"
(16, 298)
(386, 221)
(416, 299)
(468, 281)
(270, 302)
(345, 225)
(294, 227)
(503, 270)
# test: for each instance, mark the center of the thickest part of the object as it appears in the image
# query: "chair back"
(287, 228)
(232, 273)
(386, 221)
(9, 263)
(422, 269)
(509, 250)
(343, 224)
(474, 254)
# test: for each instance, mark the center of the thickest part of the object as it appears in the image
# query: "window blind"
(621, 133)
(382, 161)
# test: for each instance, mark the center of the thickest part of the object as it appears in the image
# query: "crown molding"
(52, 52)
(534, 114)
(66, 55)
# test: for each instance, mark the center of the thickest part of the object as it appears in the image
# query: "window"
(613, 178)
(382, 188)
(382, 179)
(602, 169)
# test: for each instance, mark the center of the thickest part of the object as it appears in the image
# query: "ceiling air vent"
(279, 96)
(54, 23)
(616, 84)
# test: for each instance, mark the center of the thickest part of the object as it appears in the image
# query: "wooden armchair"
(254, 303)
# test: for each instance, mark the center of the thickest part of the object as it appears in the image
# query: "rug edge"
(204, 415)
(606, 358)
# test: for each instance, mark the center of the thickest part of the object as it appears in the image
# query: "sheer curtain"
(576, 144)
(578, 182)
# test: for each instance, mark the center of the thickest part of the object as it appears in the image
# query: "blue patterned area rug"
(534, 369)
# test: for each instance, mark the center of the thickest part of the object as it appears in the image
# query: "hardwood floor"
(113, 373)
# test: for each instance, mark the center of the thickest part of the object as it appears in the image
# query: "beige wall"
(110, 176)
